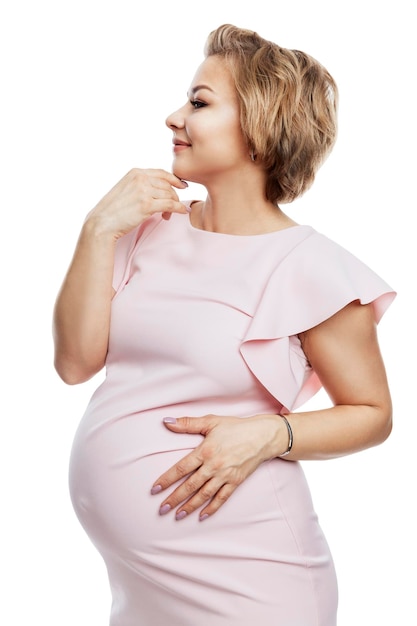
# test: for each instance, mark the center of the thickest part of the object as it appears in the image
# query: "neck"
(238, 211)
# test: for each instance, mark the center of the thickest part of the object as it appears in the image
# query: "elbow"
(383, 426)
(75, 365)
(387, 430)
(75, 374)
(70, 379)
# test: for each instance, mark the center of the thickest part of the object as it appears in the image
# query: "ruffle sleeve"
(313, 282)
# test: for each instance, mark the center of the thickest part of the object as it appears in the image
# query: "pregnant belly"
(110, 478)
(266, 534)
(111, 473)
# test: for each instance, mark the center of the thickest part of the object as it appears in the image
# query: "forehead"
(214, 74)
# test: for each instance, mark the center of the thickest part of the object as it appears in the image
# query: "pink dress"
(207, 323)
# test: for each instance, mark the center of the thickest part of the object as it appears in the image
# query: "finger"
(185, 493)
(180, 470)
(204, 494)
(160, 191)
(222, 495)
(167, 205)
(168, 176)
(192, 425)
(201, 480)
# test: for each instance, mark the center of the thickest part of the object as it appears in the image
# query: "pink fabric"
(206, 323)
(310, 285)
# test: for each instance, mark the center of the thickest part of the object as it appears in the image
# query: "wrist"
(290, 436)
(277, 437)
(97, 228)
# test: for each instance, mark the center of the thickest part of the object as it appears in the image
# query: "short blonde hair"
(288, 107)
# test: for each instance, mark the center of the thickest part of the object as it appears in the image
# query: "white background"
(86, 87)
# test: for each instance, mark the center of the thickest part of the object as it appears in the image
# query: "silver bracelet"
(290, 437)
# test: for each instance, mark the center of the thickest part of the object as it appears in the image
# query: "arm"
(345, 354)
(81, 317)
(82, 310)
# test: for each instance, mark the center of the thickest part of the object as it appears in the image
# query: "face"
(208, 141)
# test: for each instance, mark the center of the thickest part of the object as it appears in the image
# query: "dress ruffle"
(313, 282)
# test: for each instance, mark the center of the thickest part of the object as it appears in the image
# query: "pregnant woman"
(216, 320)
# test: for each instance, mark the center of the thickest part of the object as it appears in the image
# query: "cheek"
(230, 132)
(201, 131)
(218, 134)
(233, 143)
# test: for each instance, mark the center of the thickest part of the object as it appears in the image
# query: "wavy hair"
(288, 107)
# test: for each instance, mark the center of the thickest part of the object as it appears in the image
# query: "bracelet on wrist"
(290, 437)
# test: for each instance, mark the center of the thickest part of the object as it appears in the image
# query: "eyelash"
(197, 104)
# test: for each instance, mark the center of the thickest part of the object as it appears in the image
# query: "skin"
(82, 310)
(343, 350)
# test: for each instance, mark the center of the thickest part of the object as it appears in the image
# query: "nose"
(176, 119)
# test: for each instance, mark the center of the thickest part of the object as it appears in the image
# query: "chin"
(184, 173)
(178, 171)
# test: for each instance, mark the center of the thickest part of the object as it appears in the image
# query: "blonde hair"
(288, 107)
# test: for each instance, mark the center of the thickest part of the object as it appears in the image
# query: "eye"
(197, 104)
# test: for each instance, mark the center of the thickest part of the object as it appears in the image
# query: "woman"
(216, 320)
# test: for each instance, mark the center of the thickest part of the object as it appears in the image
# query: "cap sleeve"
(312, 283)
(125, 250)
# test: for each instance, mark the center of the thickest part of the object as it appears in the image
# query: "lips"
(178, 142)
(179, 145)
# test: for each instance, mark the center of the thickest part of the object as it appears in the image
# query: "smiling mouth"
(180, 146)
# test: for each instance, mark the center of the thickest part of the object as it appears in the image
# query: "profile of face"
(207, 136)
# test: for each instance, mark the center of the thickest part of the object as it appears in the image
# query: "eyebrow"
(198, 87)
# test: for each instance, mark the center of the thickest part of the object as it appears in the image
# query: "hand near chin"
(136, 197)
(232, 449)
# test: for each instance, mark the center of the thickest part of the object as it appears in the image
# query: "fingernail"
(203, 517)
(169, 420)
(156, 489)
(165, 508)
(181, 515)
(188, 208)
(184, 182)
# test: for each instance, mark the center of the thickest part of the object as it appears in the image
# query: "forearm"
(232, 448)
(82, 310)
(344, 353)
(334, 432)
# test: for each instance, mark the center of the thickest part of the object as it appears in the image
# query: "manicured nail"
(156, 489)
(203, 517)
(181, 515)
(184, 182)
(169, 420)
(165, 508)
